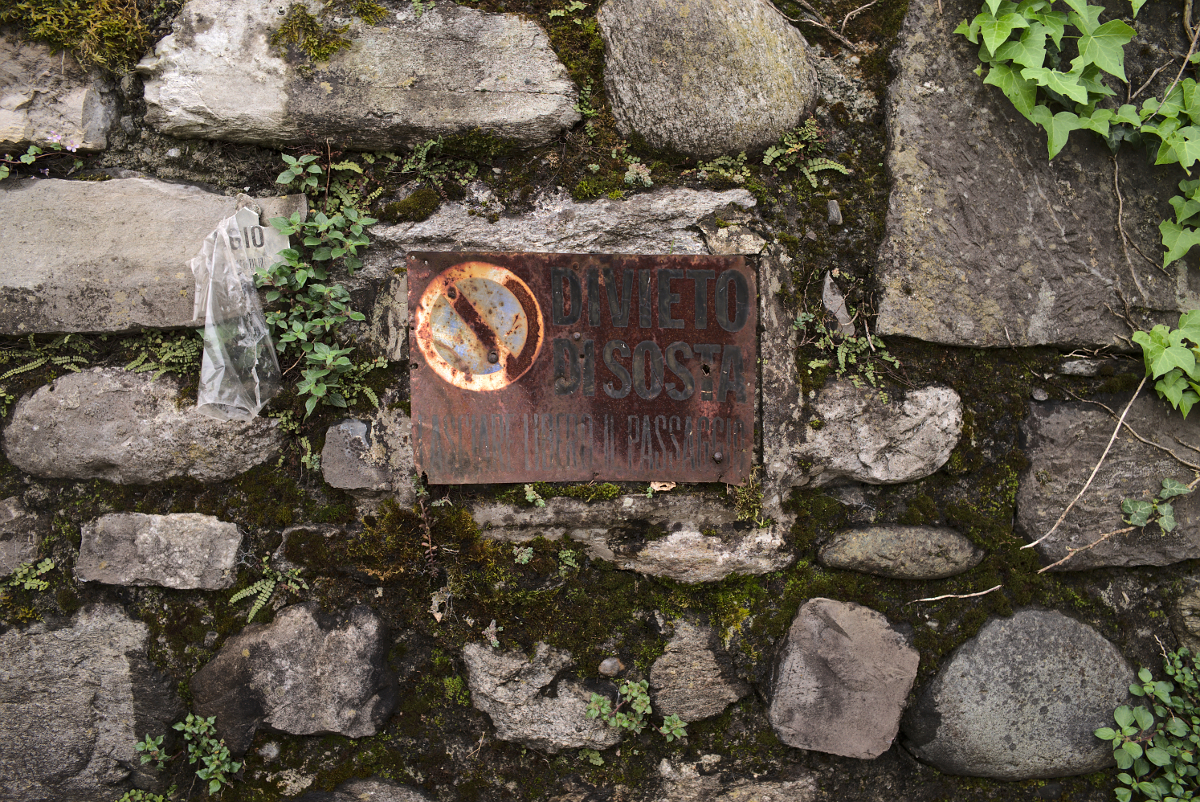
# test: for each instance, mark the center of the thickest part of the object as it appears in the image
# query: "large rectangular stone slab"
(108, 255)
(988, 243)
(417, 75)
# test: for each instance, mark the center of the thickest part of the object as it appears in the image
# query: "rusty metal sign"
(569, 367)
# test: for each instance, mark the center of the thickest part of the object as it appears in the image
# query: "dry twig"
(818, 21)
(855, 13)
(956, 596)
(1072, 552)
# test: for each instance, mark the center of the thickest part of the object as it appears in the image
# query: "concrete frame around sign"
(571, 367)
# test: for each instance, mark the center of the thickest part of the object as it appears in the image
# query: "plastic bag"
(240, 372)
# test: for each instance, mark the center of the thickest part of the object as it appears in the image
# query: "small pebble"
(174, 153)
(835, 213)
(611, 666)
(269, 751)
(1039, 394)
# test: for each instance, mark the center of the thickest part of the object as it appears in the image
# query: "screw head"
(451, 293)
(493, 357)
(718, 456)
(575, 335)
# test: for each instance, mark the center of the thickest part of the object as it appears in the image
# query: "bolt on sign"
(567, 367)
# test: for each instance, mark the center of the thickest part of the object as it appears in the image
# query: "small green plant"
(29, 576)
(568, 561)
(420, 8)
(860, 359)
(801, 148)
(587, 110)
(1143, 512)
(309, 459)
(179, 354)
(1170, 357)
(673, 727)
(592, 756)
(1155, 747)
(533, 497)
(34, 154)
(428, 163)
(203, 746)
(573, 8)
(728, 168)
(522, 554)
(138, 795)
(265, 587)
(637, 173)
(306, 310)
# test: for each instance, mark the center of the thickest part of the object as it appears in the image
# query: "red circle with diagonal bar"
(479, 326)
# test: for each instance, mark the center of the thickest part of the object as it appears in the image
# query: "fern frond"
(28, 366)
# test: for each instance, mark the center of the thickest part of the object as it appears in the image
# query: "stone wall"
(859, 621)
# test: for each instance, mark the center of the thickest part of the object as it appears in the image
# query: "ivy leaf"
(1055, 22)
(1137, 6)
(1058, 126)
(1187, 401)
(995, 30)
(1184, 207)
(969, 30)
(1166, 521)
(1084, 17)
(1180, 145)
(1105, 47)
(1177, 240)
(1064, 83)
(1021, 92)
(1128, 114)
(1172, 488)
(1029, 50)
(1139, 513)
(1189, 322)
(1176, 356)
(1172, 387)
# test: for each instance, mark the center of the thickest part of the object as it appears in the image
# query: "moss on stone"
(416, 207)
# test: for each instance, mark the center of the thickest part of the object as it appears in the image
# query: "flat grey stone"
(371, 790)
(689, 680)
(305, 672)
(411, 78)
(990, 245)
(707, 77)
(1021, 700)
(510, 688)
(109, 423)
(101, 256)
(182, 550)
(852, 435)
(48, 97)
(697, 782)
(841, 679)
(902, 552)
(73, 702)
(704, 543)
(1063, 442)
(661, 221)
(19, 530)
(345, 460)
